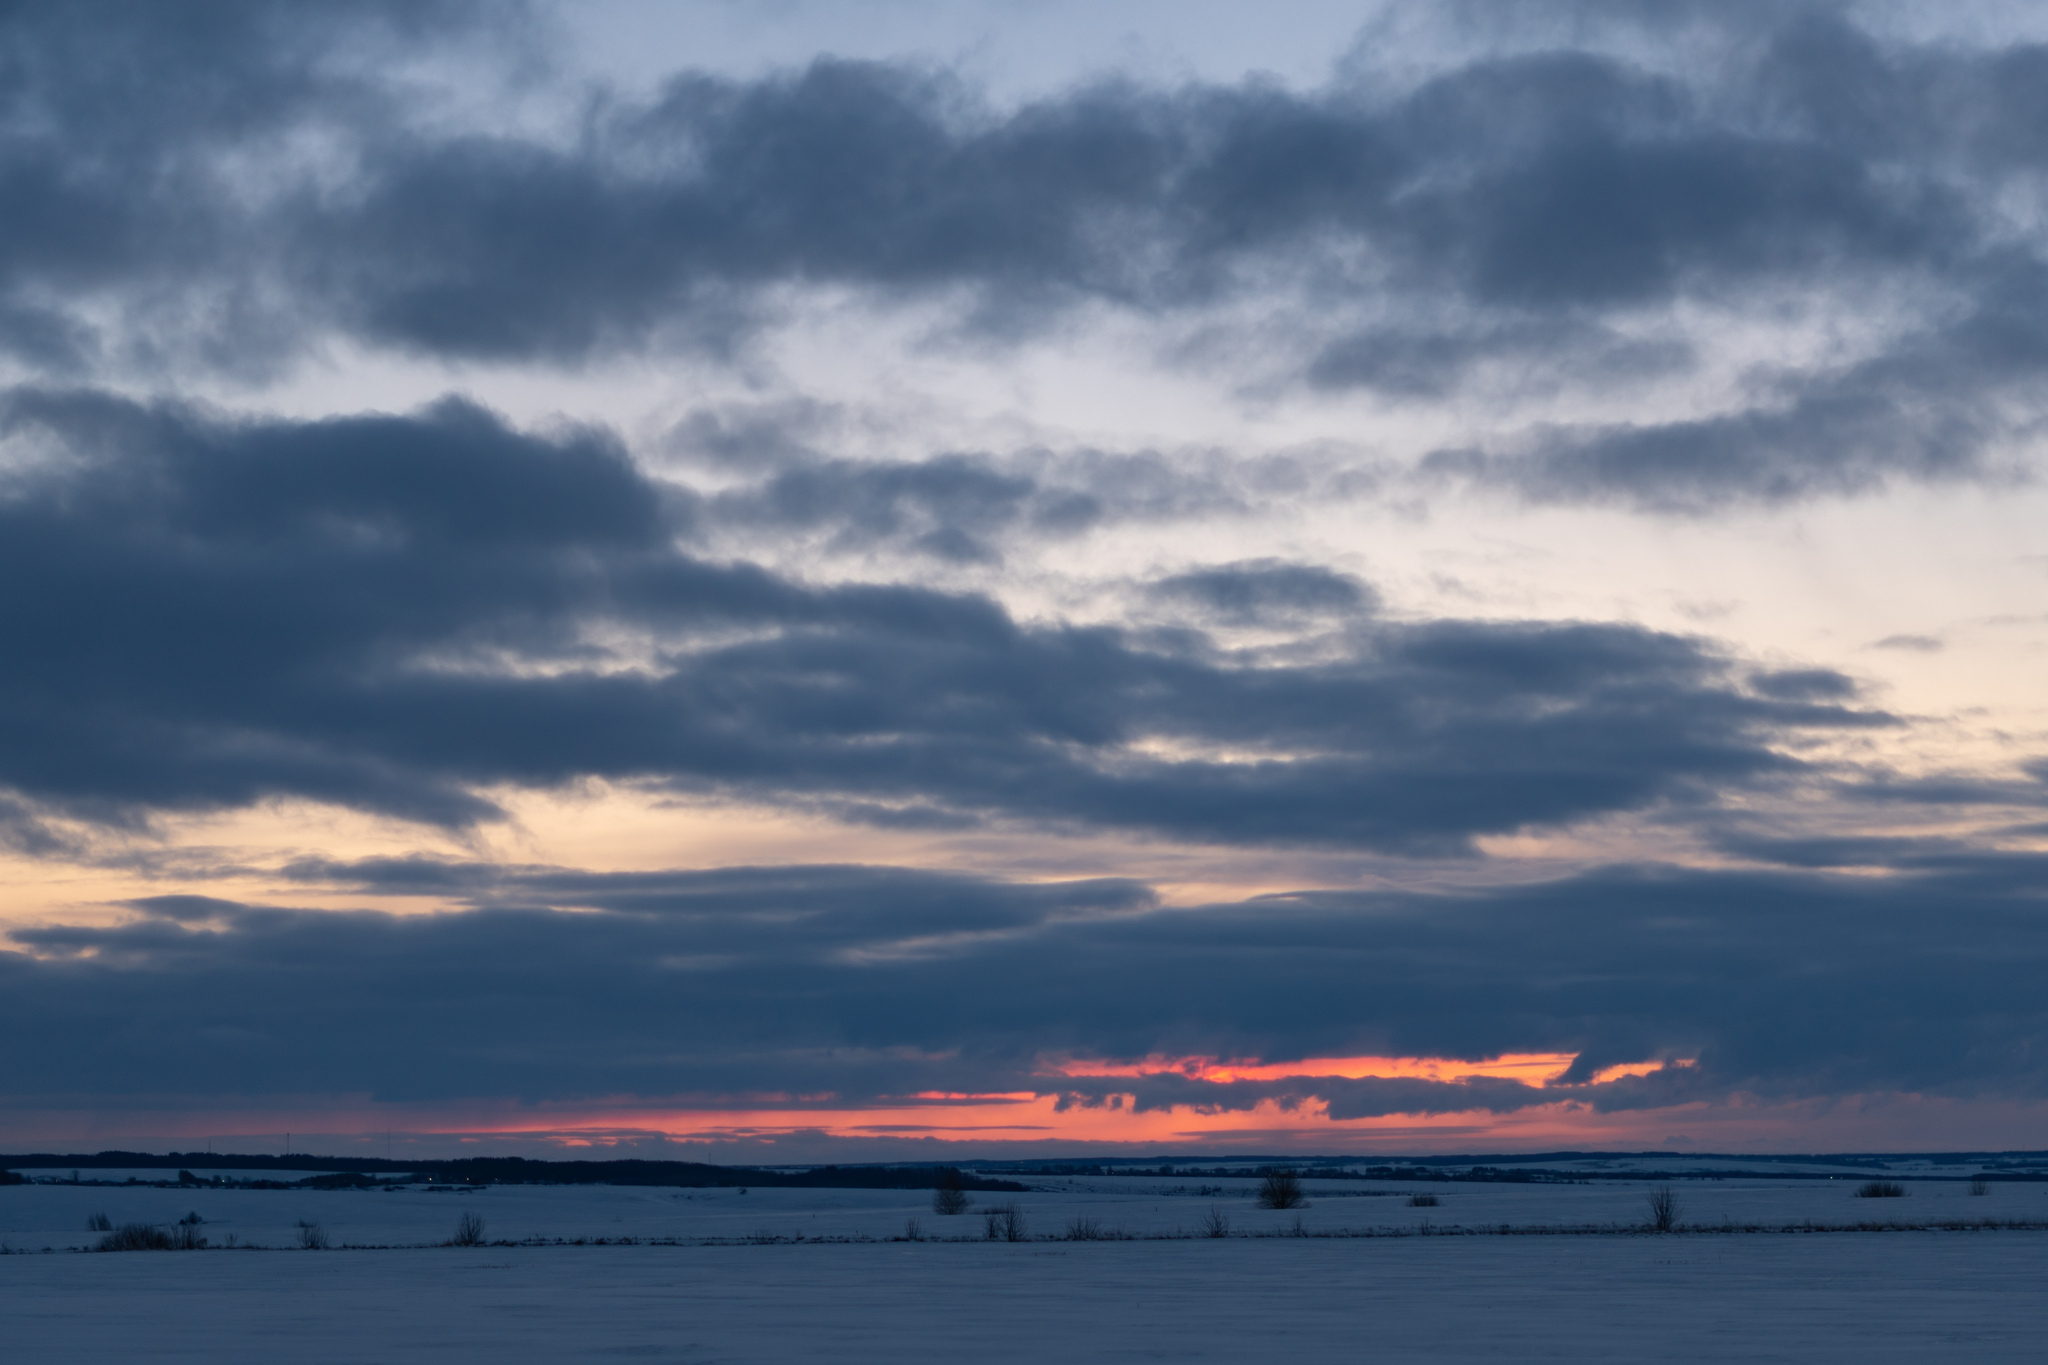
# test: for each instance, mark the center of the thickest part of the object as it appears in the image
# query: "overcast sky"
(810, 581)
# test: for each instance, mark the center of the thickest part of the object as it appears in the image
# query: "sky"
(796, 581)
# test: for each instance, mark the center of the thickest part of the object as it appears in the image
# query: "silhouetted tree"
(1281, 1190)
(1664, 1208)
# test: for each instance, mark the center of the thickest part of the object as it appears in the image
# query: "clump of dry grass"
(1880, 1189)
(137, 1237)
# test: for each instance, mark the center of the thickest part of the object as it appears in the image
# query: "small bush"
(1084, 1230)
(469, 1232)
(1423, 1201)
(1215, 1224)
(1980, 1186)
(136, 1237)
(312, 1237)
(1881, 1189)
(913, 1231)
(192, 1218)
(99, 1222)
(185, 1237)
(1281, 1190)
(1004, 1223)
(1664, 1209)
(949, 1201)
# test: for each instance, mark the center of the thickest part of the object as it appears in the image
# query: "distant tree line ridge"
(514, 1170)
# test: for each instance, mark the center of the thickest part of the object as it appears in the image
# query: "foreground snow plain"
(1259, 1294)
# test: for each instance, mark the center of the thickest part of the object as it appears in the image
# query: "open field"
(1692, 1296)
(36, 1216)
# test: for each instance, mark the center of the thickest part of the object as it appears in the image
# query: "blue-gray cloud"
(557, 984)
(391, 612)
(1526, 211)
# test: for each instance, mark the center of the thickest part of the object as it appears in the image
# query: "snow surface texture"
(1799, 1297)
(37, 1216)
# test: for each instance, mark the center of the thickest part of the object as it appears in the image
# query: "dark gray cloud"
(777, 479)
(558, 984)
(390, 612)
(1264, 591)
(139, 144)
(1522, 213)
(954, 508)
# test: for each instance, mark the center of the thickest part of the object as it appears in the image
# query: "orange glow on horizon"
(1022, 1118)
(1531, 1068)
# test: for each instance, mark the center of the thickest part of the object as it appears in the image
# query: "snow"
(55, 1215)
(1806, 1297)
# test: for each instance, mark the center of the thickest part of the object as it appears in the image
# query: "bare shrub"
(469, 1232)
(1004, 1223)
(913, 1231)
(1664, 1209)
(1281, 1190)
(949, 1201)
(1084, 1230)
(185, 1237)
(1980, 1186)
(136, 1237)
(1423, 1201)
(1880, 1189)
(312, 1237)
(1297, 1228)
(1215, 1224)
(99, 1222)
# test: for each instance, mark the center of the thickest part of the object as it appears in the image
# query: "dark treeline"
(513, 1170)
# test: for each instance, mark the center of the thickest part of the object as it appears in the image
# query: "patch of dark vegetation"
(1281, 1189)
(949, 1193)
(1664, 1209)
(1005, 1223)
(1880, 1189)
(469, 1232)
(12, 1178)
(137, 1237)
(354, 1172)
(1475, 1168)
(1423, 1201)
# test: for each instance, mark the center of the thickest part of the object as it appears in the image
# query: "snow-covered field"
(1704, 1296)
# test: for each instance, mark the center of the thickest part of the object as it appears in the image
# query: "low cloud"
(559, 985)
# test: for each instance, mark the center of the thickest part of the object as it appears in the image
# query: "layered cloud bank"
(845, 997)
(830, 600)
